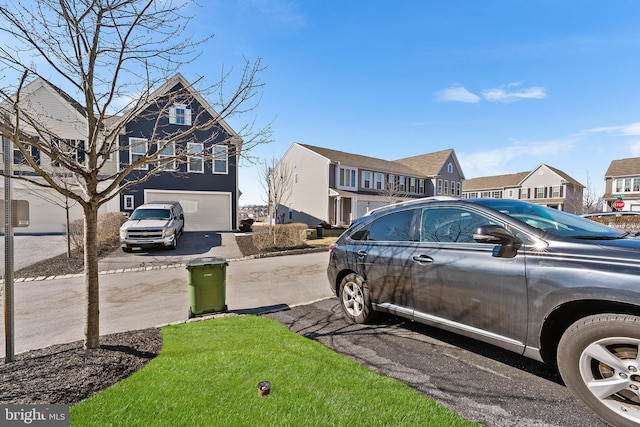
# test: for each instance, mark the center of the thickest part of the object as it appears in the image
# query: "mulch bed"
(68, 374)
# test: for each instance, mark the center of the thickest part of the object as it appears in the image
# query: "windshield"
(552, 221)
(151, 214)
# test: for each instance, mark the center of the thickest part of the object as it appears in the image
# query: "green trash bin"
(207, 285)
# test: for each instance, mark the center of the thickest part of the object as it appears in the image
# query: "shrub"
(280, 236)
(245, 224)
(108, 231)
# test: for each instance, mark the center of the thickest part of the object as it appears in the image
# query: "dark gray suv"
(552, 286)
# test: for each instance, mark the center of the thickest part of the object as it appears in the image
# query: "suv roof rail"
(412, 201)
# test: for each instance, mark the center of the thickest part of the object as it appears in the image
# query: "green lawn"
(207, 374)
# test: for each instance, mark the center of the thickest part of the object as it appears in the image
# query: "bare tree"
(591, 202)
(107, 51)
(393, 192)
(277, 181)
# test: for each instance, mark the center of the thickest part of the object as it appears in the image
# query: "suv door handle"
(423, 259)
(362, 254)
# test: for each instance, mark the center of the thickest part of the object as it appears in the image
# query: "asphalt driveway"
(478, 381)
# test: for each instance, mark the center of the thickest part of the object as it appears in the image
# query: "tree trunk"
(92, 321)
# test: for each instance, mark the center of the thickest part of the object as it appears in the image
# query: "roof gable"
(167, 88)
(623, 167)
(431, 164)
(561, 174)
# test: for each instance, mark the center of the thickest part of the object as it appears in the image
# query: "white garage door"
(203, 210)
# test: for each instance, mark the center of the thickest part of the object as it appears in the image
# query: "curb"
(165, 266)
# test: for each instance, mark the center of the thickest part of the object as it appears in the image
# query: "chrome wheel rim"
(353, 299)
(610, 369)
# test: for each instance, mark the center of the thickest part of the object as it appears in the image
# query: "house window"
(220, 163)
(458, 188)
(402, 183)
(366, 179)
(290, 211)
(70, 149)
(179, 114)
(555, 191)
(137, 151)
(128, 202)
(412, 185)
(166, 156)
(627, 185)
(485, 194)
(348, 178)
(196, 161)
(636, 184)
(379, 179)
(540, 192)
(439, 186)
(446, 186)
(450, 168)
(524, 193)
(497, 195)
(18, 157)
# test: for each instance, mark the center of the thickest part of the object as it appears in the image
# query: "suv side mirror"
(497, 235)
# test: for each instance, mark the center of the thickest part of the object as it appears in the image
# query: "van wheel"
(598, 359)
(355, 299)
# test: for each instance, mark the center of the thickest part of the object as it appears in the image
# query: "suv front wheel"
(599, 361)
(355, 299)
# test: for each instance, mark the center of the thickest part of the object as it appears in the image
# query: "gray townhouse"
(545, 185)
(205, 186)
(622, 185)
(337, 187)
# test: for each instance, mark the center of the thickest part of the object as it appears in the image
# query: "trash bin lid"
(206, 261)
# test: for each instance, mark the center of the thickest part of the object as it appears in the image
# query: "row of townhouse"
(337, 187)
(545, 185)
(207, 188)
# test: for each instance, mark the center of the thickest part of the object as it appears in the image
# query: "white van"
(156, 224)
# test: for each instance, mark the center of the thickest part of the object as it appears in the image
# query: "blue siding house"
(205, 183)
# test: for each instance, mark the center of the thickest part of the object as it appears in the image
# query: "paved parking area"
(29, 249)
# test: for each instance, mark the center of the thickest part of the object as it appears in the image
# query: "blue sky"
(507, 84)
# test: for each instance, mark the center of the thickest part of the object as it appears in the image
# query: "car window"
(449, 224)
(395, 227)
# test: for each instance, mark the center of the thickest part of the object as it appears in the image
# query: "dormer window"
(179, 114)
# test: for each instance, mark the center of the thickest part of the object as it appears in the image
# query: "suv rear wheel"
(599, 361)
(355, 300)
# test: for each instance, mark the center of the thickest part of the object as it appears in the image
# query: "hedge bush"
(280, 236)
(108, 231)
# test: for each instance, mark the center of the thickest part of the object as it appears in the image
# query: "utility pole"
(7, 283)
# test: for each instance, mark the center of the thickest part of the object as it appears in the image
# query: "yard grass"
(208, 373)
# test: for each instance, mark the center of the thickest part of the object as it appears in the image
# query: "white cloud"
(457, 93)
(631, 129)
(508, 93)
(635, 149)
(521, 156)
